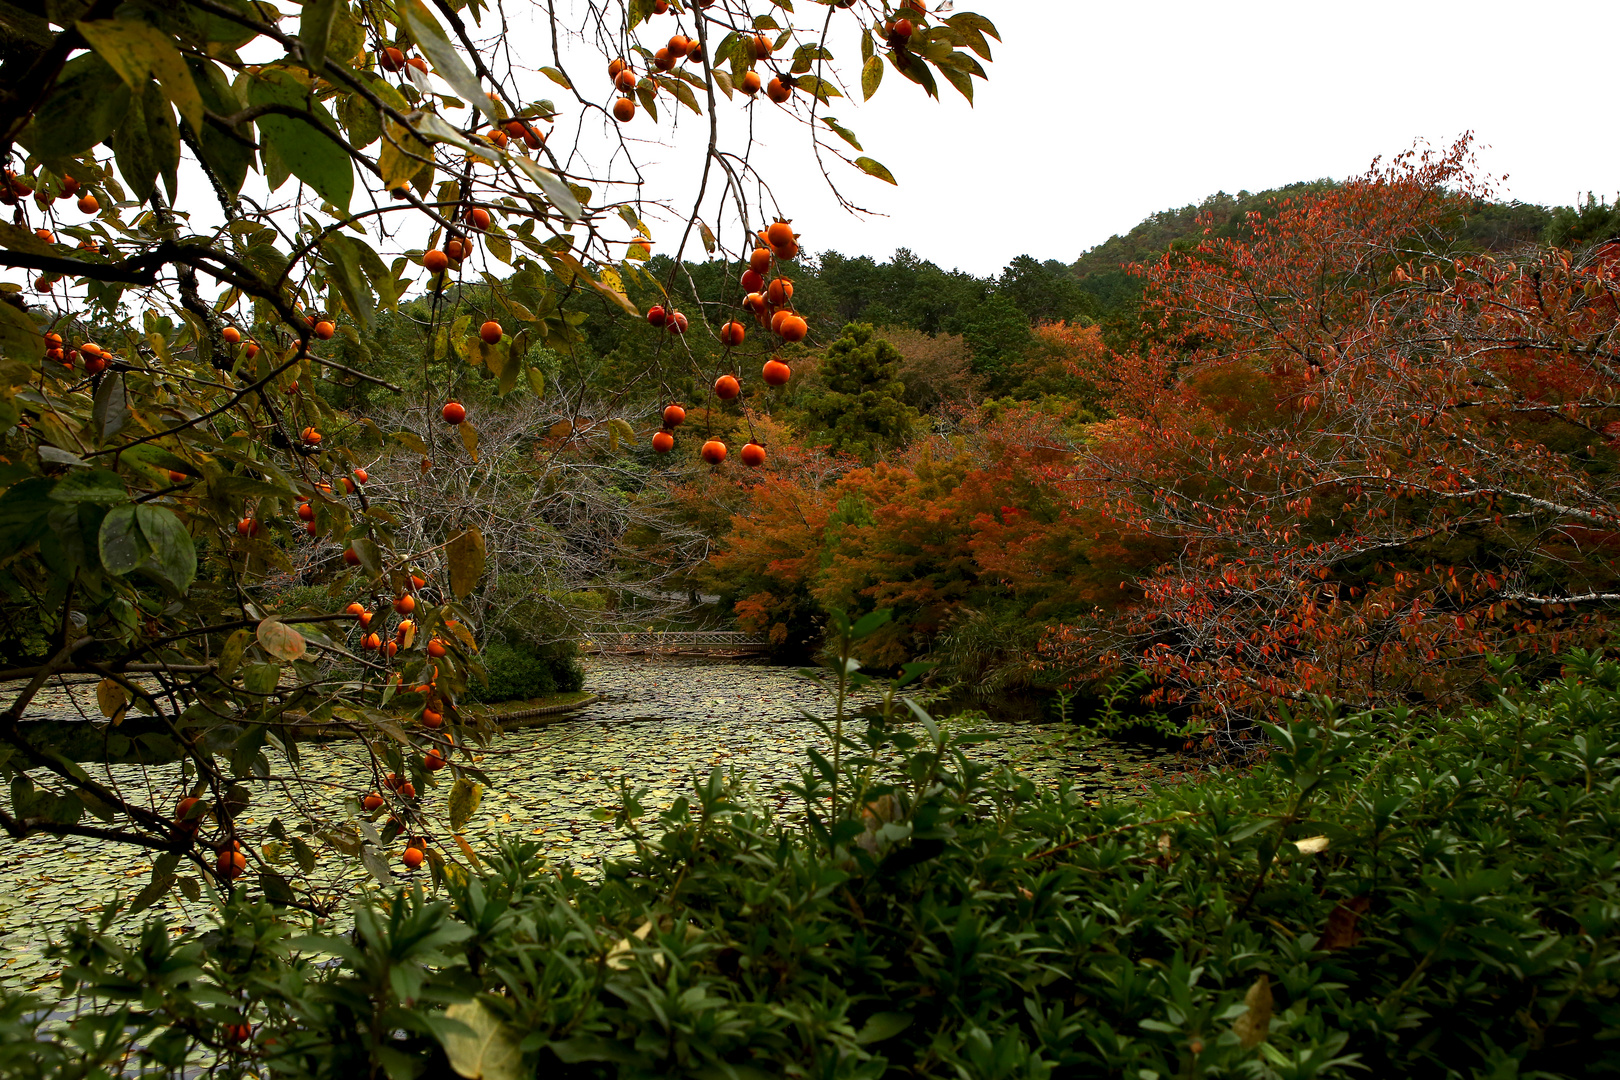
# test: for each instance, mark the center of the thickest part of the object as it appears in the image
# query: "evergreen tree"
(1044, 291)
(861, 408)
(1576, 226)
(997, 331)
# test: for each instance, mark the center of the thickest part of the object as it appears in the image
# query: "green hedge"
(518, 673)
(1463, 919)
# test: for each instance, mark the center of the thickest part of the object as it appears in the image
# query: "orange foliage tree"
(1065, 360)
(1378, 457)
(978, 522)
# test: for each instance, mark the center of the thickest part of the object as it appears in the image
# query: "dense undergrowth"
(520, 672)
(1383, 895)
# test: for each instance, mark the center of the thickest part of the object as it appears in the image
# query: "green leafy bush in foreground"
(1385, 896)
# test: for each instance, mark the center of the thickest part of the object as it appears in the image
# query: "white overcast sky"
(1099, 114)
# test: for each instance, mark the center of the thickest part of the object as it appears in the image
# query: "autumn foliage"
(1067, 362)
(980, 521)
(1377, 457)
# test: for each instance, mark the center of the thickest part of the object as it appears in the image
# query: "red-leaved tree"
(1378, 456)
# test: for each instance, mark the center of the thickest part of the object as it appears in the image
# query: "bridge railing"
(677, 639)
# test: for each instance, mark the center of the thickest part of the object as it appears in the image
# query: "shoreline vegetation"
(94, 738)
(659, 722)
(1415, 896)
(511, 715)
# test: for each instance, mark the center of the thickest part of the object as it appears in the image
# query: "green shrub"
(296, 599)
(518, 672)
(1462, 920)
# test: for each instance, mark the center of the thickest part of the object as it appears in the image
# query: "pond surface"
(658, 722)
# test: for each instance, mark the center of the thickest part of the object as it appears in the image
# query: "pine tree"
(861, 410)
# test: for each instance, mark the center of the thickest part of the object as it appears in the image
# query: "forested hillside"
(993, 314)
(928, 461)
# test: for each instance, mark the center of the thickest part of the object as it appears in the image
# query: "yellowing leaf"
(580, 273)
(463, 635)
(629, 217)
(111, 698)
(1252, 1027)
(280, 640)
(818, 88)
(490, 1052)
(465, 554)
(842, 132)
(138, 51)
(478, 351)
(874, 168)
(402, 155)
(411, 442)
(871, 76)
(463, 802)
(973, 28)
(230, 657)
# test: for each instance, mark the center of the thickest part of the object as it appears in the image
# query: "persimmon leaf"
(315, 30)
(874, 168)
(111, 698)
(871, 76)
(306, 142)
(138, 51)
(446, 61)
(560, 194)
(84, 108)
(280, 640)
(463, 802)
(465, 554)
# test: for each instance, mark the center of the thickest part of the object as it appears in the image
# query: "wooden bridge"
(676, 643)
